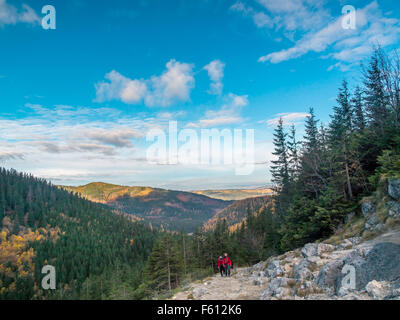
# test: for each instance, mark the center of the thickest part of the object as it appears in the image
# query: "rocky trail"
(361, 261)
(235, 287)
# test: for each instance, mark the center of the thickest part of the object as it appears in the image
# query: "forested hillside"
(237, 212)
(97, 254)
(174, 210)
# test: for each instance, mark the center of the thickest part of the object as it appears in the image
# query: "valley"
(174, 210)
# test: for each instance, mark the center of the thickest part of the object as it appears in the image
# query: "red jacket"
(220, 262)
(227, 261)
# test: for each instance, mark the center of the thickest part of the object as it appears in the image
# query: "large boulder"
(302, 270)
(380, 262)
(316, 249)
(379, 289)
(328, 275)
(372, 222)
(394, 188)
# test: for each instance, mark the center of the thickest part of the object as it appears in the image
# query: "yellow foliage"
(13, 250)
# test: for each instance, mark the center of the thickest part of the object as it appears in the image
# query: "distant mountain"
(235, 194)
(236, 212)
(172, 209)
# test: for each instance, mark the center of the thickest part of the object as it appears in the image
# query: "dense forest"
(97, 254)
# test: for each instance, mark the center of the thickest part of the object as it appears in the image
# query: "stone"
(316, 249)
(277, 287)
(328, 275)
(302, 270)
(379, 262)
(367, 208)
(379, 289)
(394, 209)
(394, 188)
(273, 268)
(309, 250)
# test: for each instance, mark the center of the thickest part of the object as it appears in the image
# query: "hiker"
(220, 263)
(227, 265)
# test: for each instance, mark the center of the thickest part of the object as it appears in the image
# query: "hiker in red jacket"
(220, 263)
(227, 265)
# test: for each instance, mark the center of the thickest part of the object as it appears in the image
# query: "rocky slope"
(360, 262)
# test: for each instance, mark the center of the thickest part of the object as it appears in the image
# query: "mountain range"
(235, 194)
(174, 210)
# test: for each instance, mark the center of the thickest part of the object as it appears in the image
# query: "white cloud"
(296, 15)
(259, 18)
(173, 85)
(347, 46)
(9, 14)
(228, 114)
(288, 118)
(312, 28)
(215, 71)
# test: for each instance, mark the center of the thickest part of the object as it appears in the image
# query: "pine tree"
(374, 94)
(358, 111)
(164, 267)
(312, 177)
(293, 154)
(280, 167)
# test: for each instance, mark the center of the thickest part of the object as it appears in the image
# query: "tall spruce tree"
(280, 167)
(358, 110)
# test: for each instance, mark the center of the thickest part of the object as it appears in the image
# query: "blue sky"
(77, 102)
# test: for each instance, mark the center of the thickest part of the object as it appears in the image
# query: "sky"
(78, 103)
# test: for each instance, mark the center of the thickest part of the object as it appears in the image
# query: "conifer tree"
(357, 105)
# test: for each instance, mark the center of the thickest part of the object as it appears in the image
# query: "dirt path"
(237, 287)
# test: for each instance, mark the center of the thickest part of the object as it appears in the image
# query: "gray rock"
(273, 268)
(328, 275)
(349, 243)
(394, 209)
(394, 188)
(302, 270)
(316, 249)
(379, 289)
(277, 288)
(380, 263)
(367, 208)
(309, 250)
